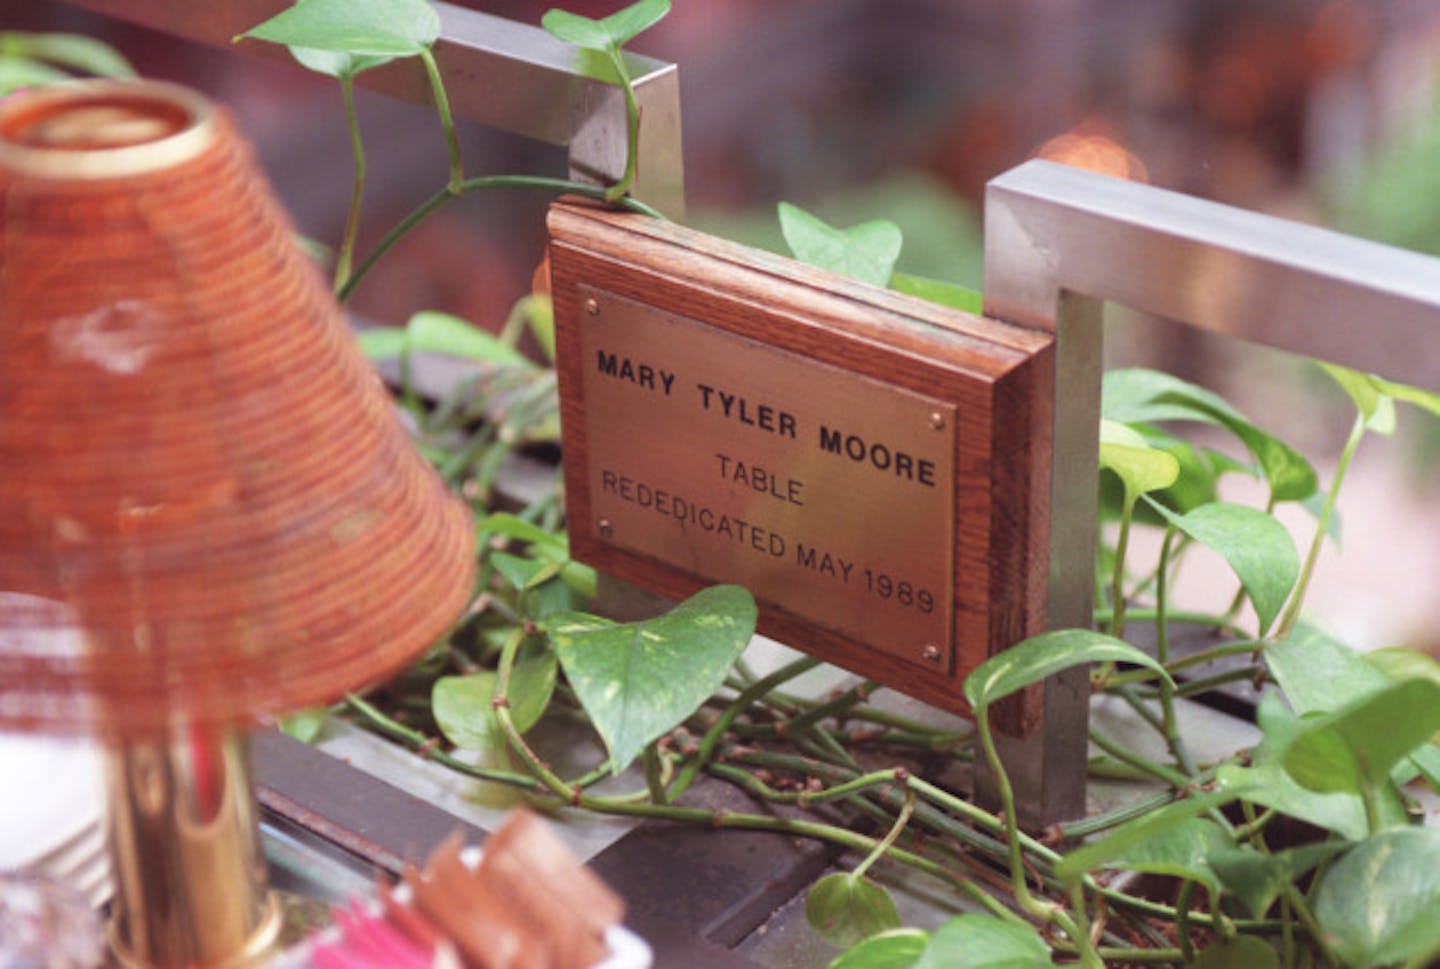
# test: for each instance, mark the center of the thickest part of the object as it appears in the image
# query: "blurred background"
(1324, 111)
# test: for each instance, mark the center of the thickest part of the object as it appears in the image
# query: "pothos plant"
(1345, 735)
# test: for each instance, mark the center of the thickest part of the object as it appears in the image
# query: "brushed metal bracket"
(497, 72)
(1059, 242)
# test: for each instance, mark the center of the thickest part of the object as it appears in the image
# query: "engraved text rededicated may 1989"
(826, 493)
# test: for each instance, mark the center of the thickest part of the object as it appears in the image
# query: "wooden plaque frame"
(998, 377)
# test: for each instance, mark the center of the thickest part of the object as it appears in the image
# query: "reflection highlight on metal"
(1058, 242)
(189, 870)
(507, 75)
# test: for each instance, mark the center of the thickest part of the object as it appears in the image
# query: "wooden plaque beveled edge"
(999, 375)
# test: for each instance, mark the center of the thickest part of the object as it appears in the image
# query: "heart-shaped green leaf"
(1258, 879)
(609, 34)
(866, 252)
(1033, 659)
(978, 941)
(1426, 761)
(1366, 395)
(1267, 784)
(1241, 952)
(1424, 399)
(1139, 467)
(305, 725)
(1180, 851)
(1317, 672)
(336, 63)
(1170, 840)
(1257, 547)
(1354, 748)
(1398, 663)
(626, 24)
(574, 29)
(1380, 904)
(1140, 396)
(845, 908)
(897, 949)
(523, 573)
(463, 709)
(639, 680)
(383, 342)
(434, 332)
(512, 526)
(74, 51)
(386, 28)
(17, 73)
(938, 291)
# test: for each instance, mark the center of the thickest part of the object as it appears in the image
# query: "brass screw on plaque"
(931, 653)
(592, 306)
(605, 528)
(937, 420)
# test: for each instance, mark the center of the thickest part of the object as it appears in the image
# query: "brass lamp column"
(199, 474)
(189, 870)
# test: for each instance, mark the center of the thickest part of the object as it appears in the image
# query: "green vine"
(525, 651)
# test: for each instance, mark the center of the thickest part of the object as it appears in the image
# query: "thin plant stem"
(1018, 878)
(632, 129)
(1103, 616)
(1239, 600)
(426, 746)
(1079, 928)
(1141, 709)
(1301, 908)
(891, 836)
(1162, 653)
(1104, 822)
(1120, 957)
(470, 186)
(1117, 581)
(739, 705)
(979, 816)
(834, 834)
(357, 190)
(1322, 525)
(1206, 684)
(826, 743)
(447, 122)
(1145, 675)
(837, 706)
(744, 778)
(654, 774)
(1182, 923)
(1121, 753)
(1162, 640)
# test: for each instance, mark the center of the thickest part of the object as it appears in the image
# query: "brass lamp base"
(190, 879)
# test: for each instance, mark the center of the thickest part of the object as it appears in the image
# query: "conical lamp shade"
(198, 470)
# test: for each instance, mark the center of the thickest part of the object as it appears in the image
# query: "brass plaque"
(873, 467)
(829, 494)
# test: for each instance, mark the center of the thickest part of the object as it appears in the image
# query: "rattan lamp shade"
(199, 473)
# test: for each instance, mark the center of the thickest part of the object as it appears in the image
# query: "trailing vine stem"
(1322, 527)
(447, 122)
(890, 838)
(559, 186)
(632, 129)
(1044, 911)
(357, 192)
(741, 703)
